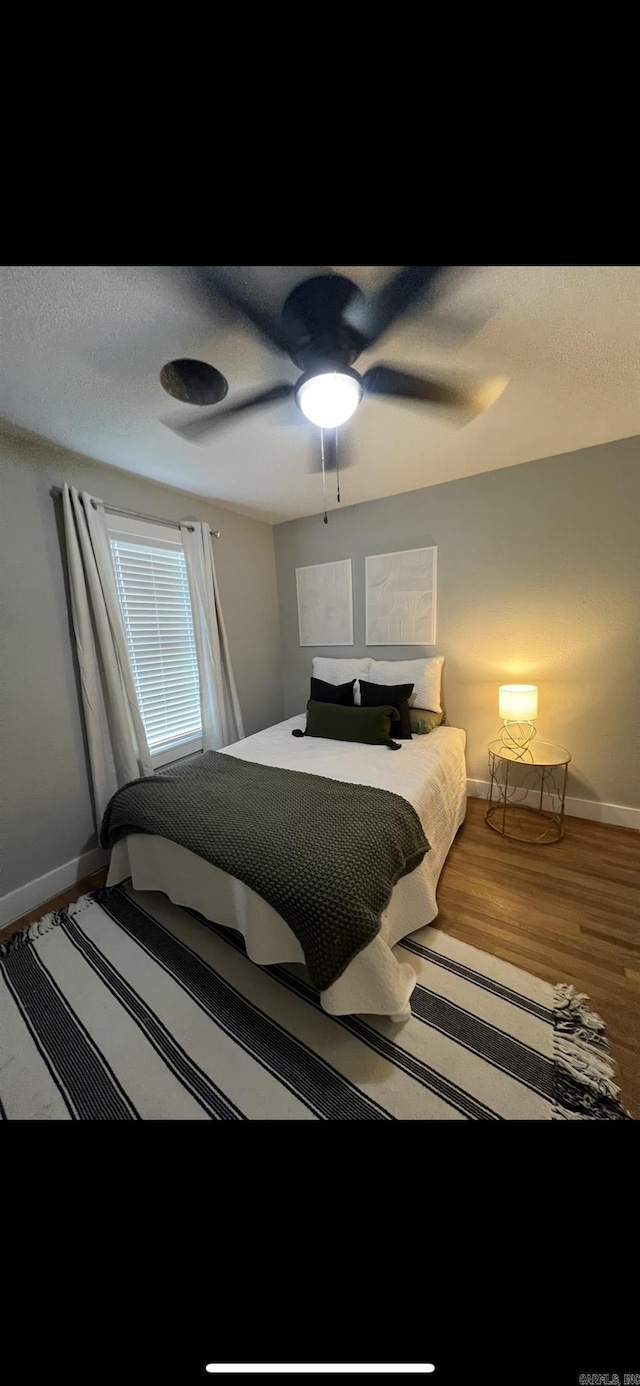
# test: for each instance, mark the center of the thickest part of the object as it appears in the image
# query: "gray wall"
(45, 813)
(538, 582)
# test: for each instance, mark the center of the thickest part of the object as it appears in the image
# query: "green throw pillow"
(423, 721)
(370, 725)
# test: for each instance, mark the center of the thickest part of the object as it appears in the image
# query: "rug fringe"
(32, 931)
(584, 1088)
(571, 1013)
(42, 926)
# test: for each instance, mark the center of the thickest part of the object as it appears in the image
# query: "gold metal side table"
(546, 768)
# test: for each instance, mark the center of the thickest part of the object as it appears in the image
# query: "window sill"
(177, 752)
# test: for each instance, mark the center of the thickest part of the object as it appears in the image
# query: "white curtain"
(118, 748)
(221, 716)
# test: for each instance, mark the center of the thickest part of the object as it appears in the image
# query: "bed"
(429, 773)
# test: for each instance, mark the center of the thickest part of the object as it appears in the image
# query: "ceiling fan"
(325, 324)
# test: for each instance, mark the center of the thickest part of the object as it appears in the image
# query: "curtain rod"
(138, 515)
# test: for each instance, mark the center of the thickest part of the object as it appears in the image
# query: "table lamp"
(518, 706)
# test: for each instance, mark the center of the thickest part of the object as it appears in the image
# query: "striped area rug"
(124, 1007)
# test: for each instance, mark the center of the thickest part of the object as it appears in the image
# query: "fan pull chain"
(324, 491)
(337, 468)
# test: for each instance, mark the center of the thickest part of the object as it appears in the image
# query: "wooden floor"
(569, 912)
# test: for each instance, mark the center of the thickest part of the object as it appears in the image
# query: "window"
(152, 585)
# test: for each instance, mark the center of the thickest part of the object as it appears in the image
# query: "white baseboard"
(618, 814)
(34, 893)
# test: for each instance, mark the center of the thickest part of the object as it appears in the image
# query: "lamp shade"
(518, 702)
(328, 400)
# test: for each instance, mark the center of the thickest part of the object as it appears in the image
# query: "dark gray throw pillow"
(423, 721)
(376, 694)
(341, 693)
(370, 725)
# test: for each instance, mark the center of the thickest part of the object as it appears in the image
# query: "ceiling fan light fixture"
(329, 398)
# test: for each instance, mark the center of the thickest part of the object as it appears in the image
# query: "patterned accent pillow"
(424, 674)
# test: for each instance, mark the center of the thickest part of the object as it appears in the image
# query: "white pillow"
(424, 674)
(342, 670)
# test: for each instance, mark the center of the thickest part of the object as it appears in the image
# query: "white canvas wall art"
(401, 597)
(325, 603)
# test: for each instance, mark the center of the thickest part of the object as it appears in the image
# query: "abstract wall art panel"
(401, 597)
(325, 603)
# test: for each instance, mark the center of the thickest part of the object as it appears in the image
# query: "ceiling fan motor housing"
(312, 315)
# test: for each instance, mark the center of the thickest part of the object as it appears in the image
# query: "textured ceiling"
(81, 349)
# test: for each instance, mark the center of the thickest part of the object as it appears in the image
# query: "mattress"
(428, 771)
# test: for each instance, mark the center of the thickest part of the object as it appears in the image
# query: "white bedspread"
(428, 771)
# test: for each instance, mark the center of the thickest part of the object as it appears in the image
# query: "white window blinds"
(154, 596)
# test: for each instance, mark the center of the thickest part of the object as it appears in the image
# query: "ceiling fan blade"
(288, 416)
(468, 399)
(376, 315)
(216, 282)
(334, 453)
(384, 380)
(196, 429)
(454, 327)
